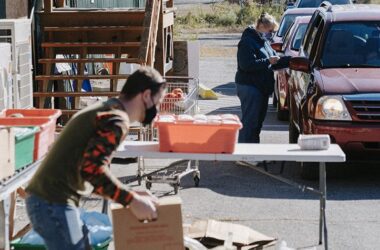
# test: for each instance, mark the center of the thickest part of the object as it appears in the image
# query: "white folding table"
(8, 187)
(253, 152)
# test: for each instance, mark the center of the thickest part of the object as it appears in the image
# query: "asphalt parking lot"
(238, 194)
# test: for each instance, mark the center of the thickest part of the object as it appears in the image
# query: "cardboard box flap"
(115, 206)
(213, 231)
(169, 200)
(164, 201)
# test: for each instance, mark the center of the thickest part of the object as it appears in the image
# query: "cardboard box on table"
(166, 233)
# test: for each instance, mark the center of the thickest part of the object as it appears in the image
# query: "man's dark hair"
(142, 79)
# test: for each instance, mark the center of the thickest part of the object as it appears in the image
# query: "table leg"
(105, 206)
(4, 224)
(322, 202)
(140, 169)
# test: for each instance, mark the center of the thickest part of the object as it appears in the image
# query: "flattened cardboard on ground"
(166, 233)
(213, 233)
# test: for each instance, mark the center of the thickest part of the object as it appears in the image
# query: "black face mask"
(150, 114)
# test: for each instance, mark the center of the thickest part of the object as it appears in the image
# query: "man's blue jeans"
(58, 224)
(254, 107)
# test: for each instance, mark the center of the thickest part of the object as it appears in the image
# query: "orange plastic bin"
(46, 113)
(43, 139)
(194, 137)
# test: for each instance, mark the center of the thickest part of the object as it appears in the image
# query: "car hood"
(350, 81)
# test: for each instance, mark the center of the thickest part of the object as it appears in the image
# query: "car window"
(312, 35)
(316, 42)
(317, 3)
(286, 21)
(298, 36)
(352, 44)
(309, 28)
(288, 35)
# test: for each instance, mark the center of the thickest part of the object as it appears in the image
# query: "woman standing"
(254, 78)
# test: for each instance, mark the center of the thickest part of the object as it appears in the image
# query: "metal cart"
(172, 173)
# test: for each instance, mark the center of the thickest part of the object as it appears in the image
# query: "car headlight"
(332, 108)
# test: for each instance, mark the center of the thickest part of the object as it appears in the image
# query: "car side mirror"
(277, 46)
(300, 64)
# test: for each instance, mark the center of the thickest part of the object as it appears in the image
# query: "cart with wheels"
(172, 174)
(181, 98)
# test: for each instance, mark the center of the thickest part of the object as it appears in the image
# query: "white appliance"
(6, 91)
(17, 32)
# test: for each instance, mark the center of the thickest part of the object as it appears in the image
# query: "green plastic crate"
(24, 146)
(16, 245)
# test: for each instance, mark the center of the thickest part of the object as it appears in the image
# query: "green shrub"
(221, 19)
(226, 15)
(249, 14)
(246, 16)
(192, 20)
(227, 19)
(210, 18)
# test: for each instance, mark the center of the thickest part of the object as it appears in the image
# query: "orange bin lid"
(228, 120)
(51, 113)
(23, 122)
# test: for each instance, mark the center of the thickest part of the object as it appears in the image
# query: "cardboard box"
(213, 233)
(166, 233)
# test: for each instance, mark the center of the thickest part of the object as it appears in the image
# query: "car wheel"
(274, 100)
(282, 115)
(309, 170)
(293, 132)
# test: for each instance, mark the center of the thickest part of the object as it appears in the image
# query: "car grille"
(366, 110)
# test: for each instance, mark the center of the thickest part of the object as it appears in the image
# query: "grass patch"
(222, 16)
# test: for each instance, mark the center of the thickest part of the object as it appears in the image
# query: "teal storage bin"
(24, 138)
(17, 245)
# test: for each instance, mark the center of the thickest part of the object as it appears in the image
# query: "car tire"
(293, 132)
(309, 170)
(282, 115)
(274, 100)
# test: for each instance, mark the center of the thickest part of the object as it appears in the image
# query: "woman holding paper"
(254, 77)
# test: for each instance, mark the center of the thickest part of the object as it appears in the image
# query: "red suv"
(334, 86)
(289, 47)
(288, 18)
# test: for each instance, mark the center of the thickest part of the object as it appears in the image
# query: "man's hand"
(273, 59)
(143, 206)
(148, 194)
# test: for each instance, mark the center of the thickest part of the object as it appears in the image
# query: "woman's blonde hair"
(267, 20)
